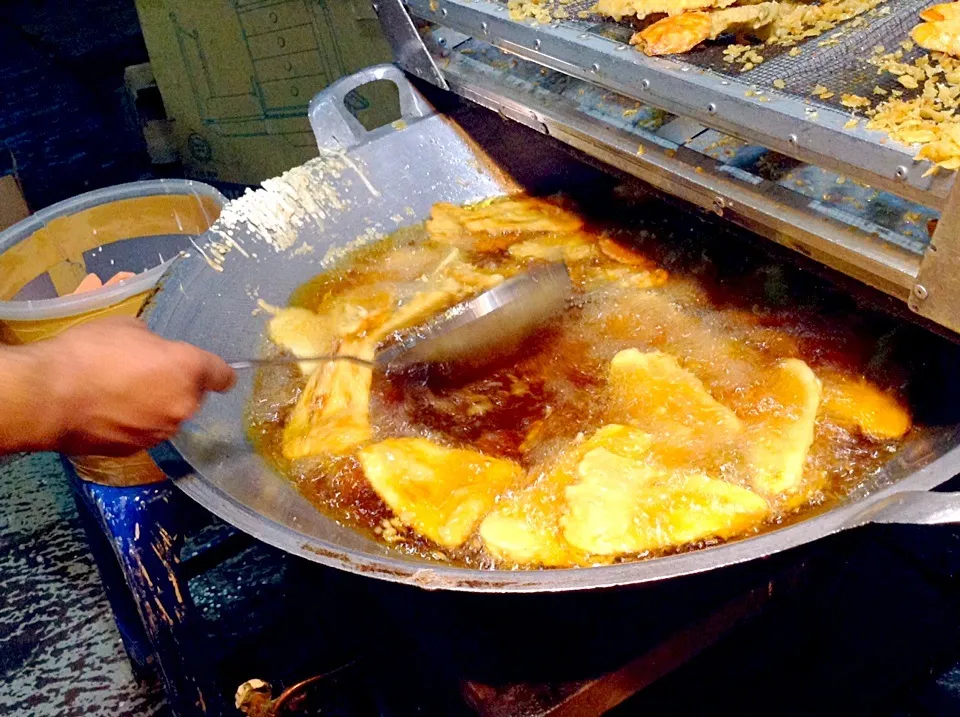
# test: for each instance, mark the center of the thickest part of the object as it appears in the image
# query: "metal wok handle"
(915, 507)
(334, 125)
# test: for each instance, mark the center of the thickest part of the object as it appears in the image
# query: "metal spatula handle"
(242, 364)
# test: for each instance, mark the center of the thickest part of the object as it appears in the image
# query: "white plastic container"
(138, 227)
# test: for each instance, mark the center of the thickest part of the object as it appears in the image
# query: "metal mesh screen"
(842, 67)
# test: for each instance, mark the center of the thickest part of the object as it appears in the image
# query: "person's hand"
(115, 388)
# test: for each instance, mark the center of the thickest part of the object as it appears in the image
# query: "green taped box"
(237, 76)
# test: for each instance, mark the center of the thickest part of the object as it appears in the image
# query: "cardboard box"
(13, 207)
(237, 76)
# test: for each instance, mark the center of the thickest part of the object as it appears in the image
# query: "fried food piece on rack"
(332, 415)
(622, 505)
(525, 526)
(945, 151)
(939, 35)
(681, 33)
(619, 9)
(944, 11)
(440, 492)
(781, 426)
(857, 402)
(656, 394)
(495, 225)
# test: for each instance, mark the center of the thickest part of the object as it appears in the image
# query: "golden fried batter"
(781, 428)
(624, 254)
(494, 226)
(939, 36)
(439, 492)
(938, 13)
(673, 35)
(524, 529)
(856, 402)
(332, 414)
(661, 397)
(681, 33)
(525, 526)
(571, 248)
(622, 505)
(302, 333)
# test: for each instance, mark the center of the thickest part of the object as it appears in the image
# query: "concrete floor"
(60, 652)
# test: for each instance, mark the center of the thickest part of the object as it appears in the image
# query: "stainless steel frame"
(776, 120)
(405, 169)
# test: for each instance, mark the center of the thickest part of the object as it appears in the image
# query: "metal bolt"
(792, 139)
(485, 28)
(536, 44)
(920, 291)
(718, 205)
(443, 12)
(595, 68)
(645, 85)
(711, 108)
(901, 172)
(442, 41)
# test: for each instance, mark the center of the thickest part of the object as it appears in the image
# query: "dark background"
(63, 118)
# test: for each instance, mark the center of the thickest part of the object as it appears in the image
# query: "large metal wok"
(369, 183)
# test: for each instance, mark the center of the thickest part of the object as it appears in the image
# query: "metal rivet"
(711, 108)
(442, 41)
(485, 28)
(584, 36)
(594, 68)
(901, 172)
(536, 44)
(920, 291)
(443, 12)
(792, 139)
(645, 85)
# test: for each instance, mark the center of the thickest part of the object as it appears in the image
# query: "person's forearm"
(27, 408)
